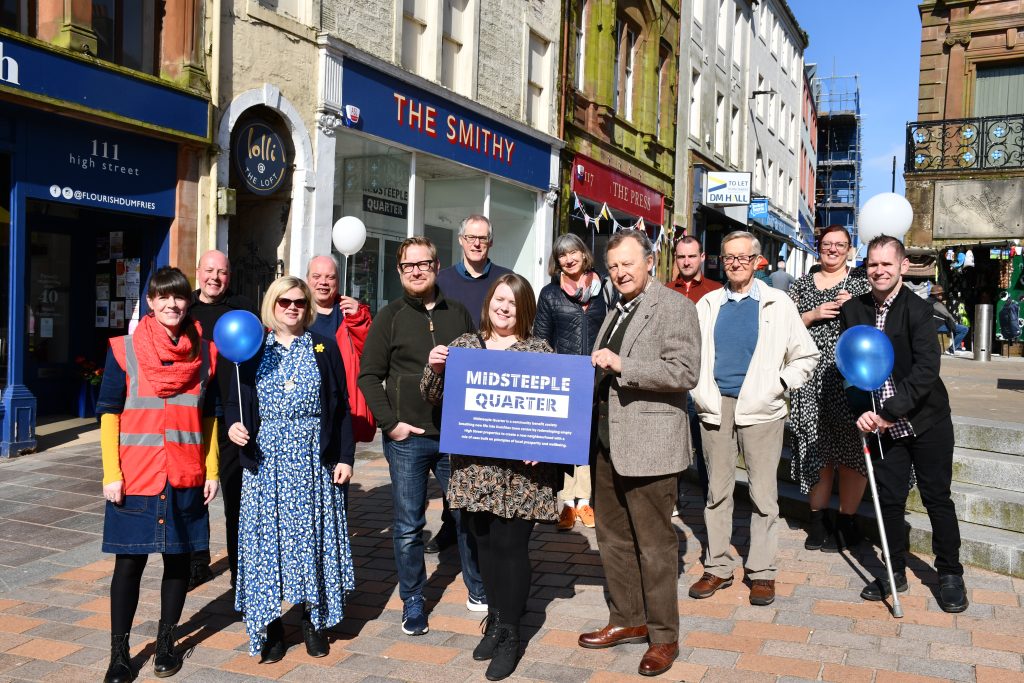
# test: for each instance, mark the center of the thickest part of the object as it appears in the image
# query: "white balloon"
(349, 235)
(884, 214)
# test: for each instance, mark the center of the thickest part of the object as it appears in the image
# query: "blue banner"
(88, 165)
(521, 406)
(410, 116)
(44, 74)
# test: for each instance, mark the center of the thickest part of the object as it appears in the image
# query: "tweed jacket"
(647, 422)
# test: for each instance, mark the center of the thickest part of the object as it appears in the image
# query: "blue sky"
(880, 41)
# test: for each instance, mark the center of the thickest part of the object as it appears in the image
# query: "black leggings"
(503, 547)
(124, 589)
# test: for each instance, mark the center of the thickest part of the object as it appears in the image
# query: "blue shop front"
(90, 185)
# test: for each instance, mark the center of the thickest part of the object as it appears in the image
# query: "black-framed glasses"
(409, 266)
(285, 302)
(742, 260)
(475, 239)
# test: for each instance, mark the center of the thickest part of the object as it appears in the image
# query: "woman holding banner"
(500, 499)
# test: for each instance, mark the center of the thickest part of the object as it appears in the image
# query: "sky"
(880, 41)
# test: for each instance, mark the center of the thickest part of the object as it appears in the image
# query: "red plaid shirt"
(900, 428)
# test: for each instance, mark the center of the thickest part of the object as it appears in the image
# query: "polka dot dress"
(293, 536)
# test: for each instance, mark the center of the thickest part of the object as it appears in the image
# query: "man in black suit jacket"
(912, 422)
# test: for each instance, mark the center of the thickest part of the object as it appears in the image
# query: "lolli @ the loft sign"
(260, 159)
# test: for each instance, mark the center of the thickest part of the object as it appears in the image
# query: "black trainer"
(879, 588)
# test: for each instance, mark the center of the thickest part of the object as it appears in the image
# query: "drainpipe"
(211, 238)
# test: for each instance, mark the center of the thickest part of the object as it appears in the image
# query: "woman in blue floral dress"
(295, 431)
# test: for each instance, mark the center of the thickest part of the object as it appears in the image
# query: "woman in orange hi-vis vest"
(157, 434)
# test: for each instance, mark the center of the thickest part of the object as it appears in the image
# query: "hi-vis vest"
(161, 438)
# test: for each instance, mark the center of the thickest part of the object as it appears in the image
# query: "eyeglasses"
(825, 246)
(475, 239)
(409, 266)
(742, 260)
(285, 302)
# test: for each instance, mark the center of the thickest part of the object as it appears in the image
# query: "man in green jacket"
(397, 346)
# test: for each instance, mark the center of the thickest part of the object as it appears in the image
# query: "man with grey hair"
(468, 280)
(753, 348)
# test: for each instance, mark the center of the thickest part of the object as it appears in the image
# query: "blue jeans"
(698, 452)
(410, 462)
(958, 336)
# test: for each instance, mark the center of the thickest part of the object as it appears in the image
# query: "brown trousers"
(639, 549)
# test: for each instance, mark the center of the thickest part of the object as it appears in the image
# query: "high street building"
(808, 173)
(104, 129)
(837, 99)
(965, 153)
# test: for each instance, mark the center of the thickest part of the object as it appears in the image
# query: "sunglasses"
(285, 302)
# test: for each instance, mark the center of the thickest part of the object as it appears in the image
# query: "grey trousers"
(761, 445)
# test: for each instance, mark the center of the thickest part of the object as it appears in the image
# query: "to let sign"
(727, 189)
(600, 183)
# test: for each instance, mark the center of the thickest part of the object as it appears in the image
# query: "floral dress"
(506, 488)
(293, 534)
(824, 430)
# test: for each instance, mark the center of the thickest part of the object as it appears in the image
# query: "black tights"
(503, 547)
(124, 589)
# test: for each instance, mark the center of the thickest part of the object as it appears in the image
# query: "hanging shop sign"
(397, 111)
(725, 189)
(758, 208)
(80, 163)
(261, 160)
(43, 74)
(774, 222)
(602, 184)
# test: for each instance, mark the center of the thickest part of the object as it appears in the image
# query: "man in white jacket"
(753, 348)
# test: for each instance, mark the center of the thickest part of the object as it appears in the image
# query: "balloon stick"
(238, 382)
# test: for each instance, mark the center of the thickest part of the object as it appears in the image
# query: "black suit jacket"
(920, 394)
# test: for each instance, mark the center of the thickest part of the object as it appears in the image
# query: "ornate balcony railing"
(987, 143)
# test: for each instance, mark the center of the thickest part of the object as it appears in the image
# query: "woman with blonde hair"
(295, 433)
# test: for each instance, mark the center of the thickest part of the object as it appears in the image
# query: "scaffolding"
(837, 194)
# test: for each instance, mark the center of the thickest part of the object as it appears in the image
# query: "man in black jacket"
(912, 421)
(397, 346)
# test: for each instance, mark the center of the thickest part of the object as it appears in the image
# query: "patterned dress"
(293, 535)
(824, 430)
(506, 488)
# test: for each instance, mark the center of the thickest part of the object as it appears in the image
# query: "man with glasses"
(753, 348)
(397, 346)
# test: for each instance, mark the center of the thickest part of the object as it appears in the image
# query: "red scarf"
(153, 347)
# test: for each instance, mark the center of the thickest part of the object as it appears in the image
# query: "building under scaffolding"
(839, 150)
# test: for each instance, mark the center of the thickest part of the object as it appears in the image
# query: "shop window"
(19, 16)
(625, 52)
(455, 50)
(5, 259)
(414, 36)
(512, 213)
(695, 85)
(128, 32)
(720, 132)
(581, 41)
(538, 70)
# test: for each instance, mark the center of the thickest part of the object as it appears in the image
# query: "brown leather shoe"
(708, 585)
(762, 592)
(611, 636)
(658, 659)
(567, 518)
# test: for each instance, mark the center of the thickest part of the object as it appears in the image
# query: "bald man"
(212, 299)
(331, 307)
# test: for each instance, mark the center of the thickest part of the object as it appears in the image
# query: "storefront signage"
(42, 74)
(758, 208)
(88, 165)
(724, 189)
(600, 183)
(394, 110)
(385, 207)
(535, 405)
(260, 158)
(773, 222)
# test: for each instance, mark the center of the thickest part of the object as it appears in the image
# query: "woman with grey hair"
(569, 314)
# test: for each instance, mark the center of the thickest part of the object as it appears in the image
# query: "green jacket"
(396, 350)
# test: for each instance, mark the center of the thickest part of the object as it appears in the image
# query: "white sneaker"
(474, 604)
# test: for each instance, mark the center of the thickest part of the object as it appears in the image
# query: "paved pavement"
(54, 608)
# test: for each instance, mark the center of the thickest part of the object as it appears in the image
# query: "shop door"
(372, 274)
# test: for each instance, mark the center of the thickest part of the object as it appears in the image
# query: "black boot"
(316, 641)
(166, 663)
(816, 530)
(506, 653)
(274, 649)
(120, 669)
(489, 627)
(847, 535)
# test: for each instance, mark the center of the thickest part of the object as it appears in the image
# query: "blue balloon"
(238, 335)
(864, 356)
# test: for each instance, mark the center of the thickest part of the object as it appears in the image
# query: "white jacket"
(785, 353)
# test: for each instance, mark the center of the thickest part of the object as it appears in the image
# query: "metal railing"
(979, 144)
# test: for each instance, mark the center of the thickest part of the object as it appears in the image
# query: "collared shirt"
(900, 428)
(461, 269)
(626, 307)
(754, 293)
(696, 288)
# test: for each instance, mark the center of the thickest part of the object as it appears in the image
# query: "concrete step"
(984, 468)
(981, 505)
(988, 435)
(998, 550)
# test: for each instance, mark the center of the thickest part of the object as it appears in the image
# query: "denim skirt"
(174, 521)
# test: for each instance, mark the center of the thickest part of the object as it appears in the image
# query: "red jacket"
(351, 336)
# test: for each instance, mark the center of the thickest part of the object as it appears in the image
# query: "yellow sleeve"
(110, 447)
(212, 448)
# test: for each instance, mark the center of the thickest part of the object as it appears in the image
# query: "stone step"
(984, 468)
(981, 505)
(988, 435)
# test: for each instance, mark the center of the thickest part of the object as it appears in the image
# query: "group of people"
(701, 376)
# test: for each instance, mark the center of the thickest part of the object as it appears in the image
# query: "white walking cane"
(897, 610)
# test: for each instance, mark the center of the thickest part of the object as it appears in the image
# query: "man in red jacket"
(348, 321)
